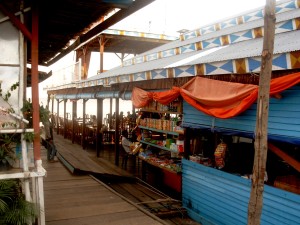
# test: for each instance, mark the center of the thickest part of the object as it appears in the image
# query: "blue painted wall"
(284, 119)
(212, 196)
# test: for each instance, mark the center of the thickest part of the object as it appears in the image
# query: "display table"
(159, 174)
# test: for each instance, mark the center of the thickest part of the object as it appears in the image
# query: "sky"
(164, 17)
(168, 17)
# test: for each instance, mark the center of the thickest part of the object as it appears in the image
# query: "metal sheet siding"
(284, 118)
(65, 96)
(107, 94)
(218, 197)
(85, 96)
(212, 196)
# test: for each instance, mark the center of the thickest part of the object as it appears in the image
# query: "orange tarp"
(220, 99)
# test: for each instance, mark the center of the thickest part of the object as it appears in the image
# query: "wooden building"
(230, 52)
(39, 33)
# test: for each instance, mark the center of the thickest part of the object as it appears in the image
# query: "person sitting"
(127, 146)
(179, 129)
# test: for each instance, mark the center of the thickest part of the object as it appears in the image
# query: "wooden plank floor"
(82, 165)
(79, 199)
(79, 159)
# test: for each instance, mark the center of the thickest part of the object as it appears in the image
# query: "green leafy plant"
(7, 146)
(27, 110)
(14, 209)
(28, 137)
(7, 95)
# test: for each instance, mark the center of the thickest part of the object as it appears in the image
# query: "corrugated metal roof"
(225, 43)
(247, 26)
(151, 65)
(284, 42)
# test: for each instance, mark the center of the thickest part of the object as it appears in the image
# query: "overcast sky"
(170, 16)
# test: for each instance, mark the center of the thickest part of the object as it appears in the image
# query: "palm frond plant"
(14, 209)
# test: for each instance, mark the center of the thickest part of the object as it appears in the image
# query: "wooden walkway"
(80, 161)
(79, 199)
(83, 189)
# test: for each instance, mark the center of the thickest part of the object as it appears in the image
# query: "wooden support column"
(48, 102)
(83, 124)
(261, 133)
(35, 80)
(110, 112)
(74, 117)
(87, 62)
(52, 104)
(65, 118)
(57, 125)
(99, 135)
(85, 55)
(102, 44)
(117, 134)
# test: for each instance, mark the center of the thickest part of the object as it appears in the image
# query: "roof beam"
(93, 33)
(16, 22)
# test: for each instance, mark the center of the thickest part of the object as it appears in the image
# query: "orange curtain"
(165, 97)
(220, 99)
(140, 98)
(282, 83)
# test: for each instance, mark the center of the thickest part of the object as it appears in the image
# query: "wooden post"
(117, 133)
(35, 82)
(65, 118)
(261, 134)
(99, 135)
(110, 113)
(83, 124)
(52, 104)
(57, 124)
(74, 117)
(48, 102)
(102, 43)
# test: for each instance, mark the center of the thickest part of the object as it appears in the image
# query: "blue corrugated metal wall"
(284, 118)
(216, 197)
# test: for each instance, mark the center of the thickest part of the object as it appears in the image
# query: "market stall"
(216, 183)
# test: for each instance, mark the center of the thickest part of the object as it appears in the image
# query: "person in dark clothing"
(50, 146)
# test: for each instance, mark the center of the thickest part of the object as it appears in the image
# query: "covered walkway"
(80, 199)
(82, 189)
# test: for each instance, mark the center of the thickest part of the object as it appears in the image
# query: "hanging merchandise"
(220, 153)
